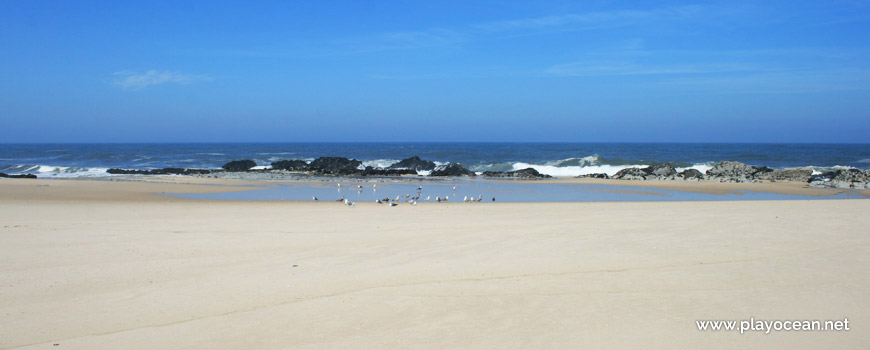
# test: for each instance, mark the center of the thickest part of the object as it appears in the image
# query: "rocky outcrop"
(661, 171)
(290, 165)
(728, 171)
(414, 163)
(19, 176)
(527, 173)
(796, 175)
(163, 171)
(691, 174)
(851, 178)
(335, 166)
(631, 174)
(451, 169)
(240, 165)
(593, 176)
(370, 171)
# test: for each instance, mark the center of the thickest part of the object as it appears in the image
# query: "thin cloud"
(591, 19)
(586, 69)
(130, 80)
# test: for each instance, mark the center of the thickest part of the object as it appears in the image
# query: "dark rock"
(335, 166)
(290, 165)
(20, 176)
(797, 175)
(240, 165)
(661, 170)
(732, 172)
(850, 178)
(452, 169)
(691, 174)
(527, 173)
(594, 176)
(370, 171)
(414, 163)
(631, 174)
(762, 170)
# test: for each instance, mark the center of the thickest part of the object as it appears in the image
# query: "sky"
(432, 71)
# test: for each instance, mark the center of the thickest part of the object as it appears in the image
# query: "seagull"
(446, 198)
(314, 198)
(393, 204)
(379, 201)
(479, 198)
(339, 185)
(419, 188)
(465, 199)
(397, 198)
(454, 188)
(413, 202)
(359, 187)
(493, 199)
(348, 203)
(374, 185)
(340, 199)
(407, 195)
(428, 197)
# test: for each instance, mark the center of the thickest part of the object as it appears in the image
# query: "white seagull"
(314, 198)
(348, 203)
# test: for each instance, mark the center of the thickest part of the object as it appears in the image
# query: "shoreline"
(152, 187)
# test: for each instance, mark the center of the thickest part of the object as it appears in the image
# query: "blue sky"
(575, 71)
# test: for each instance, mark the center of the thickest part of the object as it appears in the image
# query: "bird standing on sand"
(340, 199)
(493, 199)
(348, 203)
(479, 197)
(427, 198)
(379, 201)
(314, 198)
(393, 204)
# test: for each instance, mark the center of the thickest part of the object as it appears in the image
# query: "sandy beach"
(115, 264)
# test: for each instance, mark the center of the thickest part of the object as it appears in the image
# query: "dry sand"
(109, 265)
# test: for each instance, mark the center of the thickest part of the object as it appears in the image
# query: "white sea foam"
(699, 167)
(379, 163)
(51, 171)
(574, 170)
(261, 167)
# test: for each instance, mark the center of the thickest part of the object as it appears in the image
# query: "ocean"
(556, 159)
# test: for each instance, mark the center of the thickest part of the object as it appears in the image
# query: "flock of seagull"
(407, 197)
